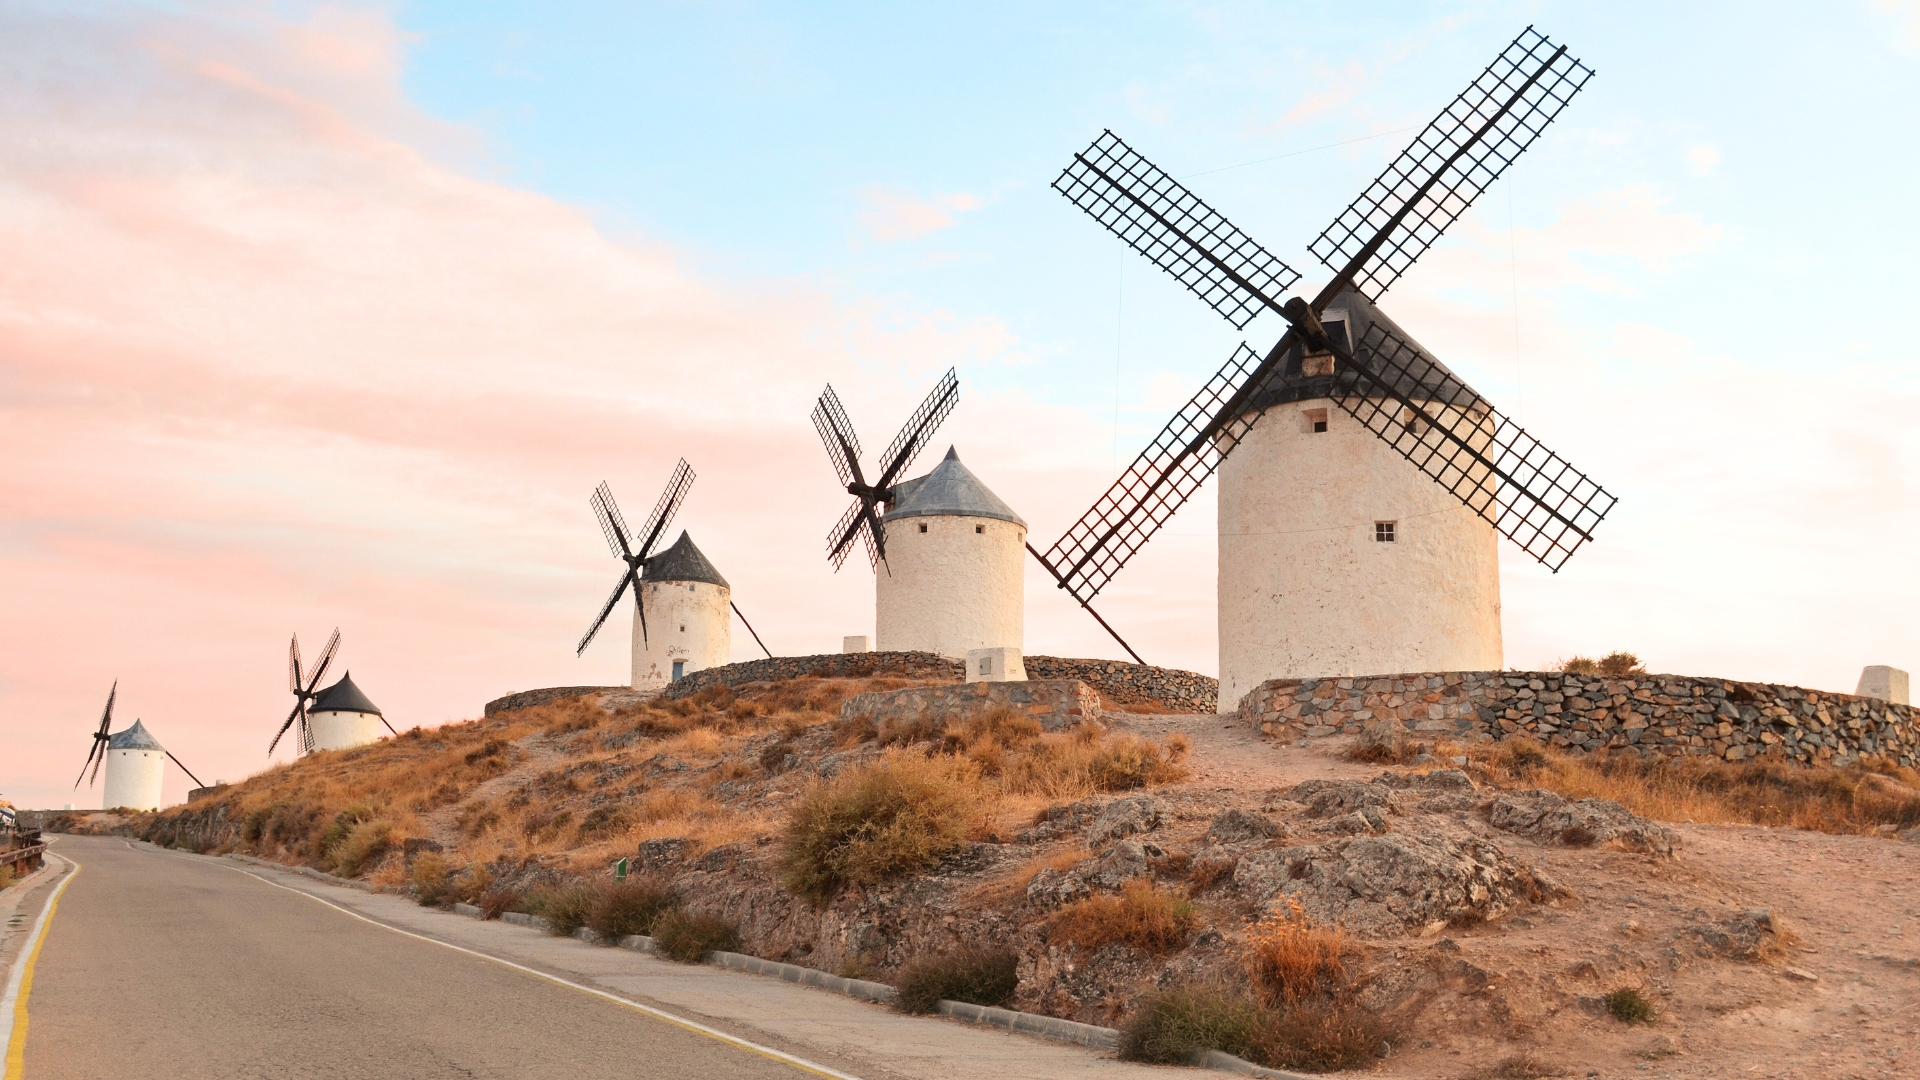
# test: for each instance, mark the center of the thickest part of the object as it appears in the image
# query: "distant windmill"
(862, 519)
(134, 761)
(1308, 582)
(696, 634)
(305, 689)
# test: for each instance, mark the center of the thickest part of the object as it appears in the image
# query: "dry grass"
(1013, 883)
(1857, 799)
(1321, 1035)
(1144, 916)
(624, 908)
(689, 936)
(1291, 959)
(1522, 1066)
(897, 815)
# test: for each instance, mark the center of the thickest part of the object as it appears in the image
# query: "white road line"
(659, 1014)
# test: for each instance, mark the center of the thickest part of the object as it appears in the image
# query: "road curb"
(307, 871)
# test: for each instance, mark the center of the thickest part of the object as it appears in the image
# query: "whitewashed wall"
(952, 588)
(344, 730)
(1305, 589)
(690, 621)
(133, 779)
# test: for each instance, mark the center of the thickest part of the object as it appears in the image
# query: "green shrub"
(1629, 1007)
(565, 907)
(1170, 1027)
(689, 936)
(631, 907)
(898, 815)
(976, 974)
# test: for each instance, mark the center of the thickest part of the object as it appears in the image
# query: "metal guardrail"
(33, 857)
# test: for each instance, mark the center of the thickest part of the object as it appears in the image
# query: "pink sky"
(274, 357)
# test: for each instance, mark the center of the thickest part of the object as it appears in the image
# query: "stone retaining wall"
(527, 699)
(1056, 703)
(1666, 714)
(905, 665)
(1133, 684)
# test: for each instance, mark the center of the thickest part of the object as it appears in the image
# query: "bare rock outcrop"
(1380, 886)
(1549, 819)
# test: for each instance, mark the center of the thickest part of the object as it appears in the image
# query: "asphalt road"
(171, 968)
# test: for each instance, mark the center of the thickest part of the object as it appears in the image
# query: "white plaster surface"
(958, 586)
(1883, 682)
(996, 665)
(856, 643)
(133, 779)
(335, 730)
(690, 621)
(1305, 590)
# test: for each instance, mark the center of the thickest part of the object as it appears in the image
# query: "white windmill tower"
(946, 551)
(1357, 516)
(341, 717)
(338, 717)
(134, 761)
(680, 601)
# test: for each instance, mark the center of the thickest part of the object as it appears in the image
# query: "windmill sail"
(634, 550)
(1376, 238)
(862, 519)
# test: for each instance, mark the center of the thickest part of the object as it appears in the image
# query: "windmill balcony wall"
(1671, 715)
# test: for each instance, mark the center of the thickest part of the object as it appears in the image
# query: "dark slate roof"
(1439, 383)
(682, 562)
(134, 738)
(950, 490)
(343, 696)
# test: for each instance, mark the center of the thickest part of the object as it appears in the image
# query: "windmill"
(305, 687)
(1360, 361)
(635, 556)
(862, 519)
(129, 759)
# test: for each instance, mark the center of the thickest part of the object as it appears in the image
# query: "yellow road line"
(659, 1014)
(13, 1004)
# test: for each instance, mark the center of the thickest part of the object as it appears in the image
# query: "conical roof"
(134, 738)
(1436, 381)
(950, 490)
(682, 562)
(343, 696)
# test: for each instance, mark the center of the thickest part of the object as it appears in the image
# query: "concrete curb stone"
(308, 871)
(1225, 1062)
(1048, 1027)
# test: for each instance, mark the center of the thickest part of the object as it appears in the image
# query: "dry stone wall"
(1057, 704)
(906, 665)
(1133, 684)
(1664, 714)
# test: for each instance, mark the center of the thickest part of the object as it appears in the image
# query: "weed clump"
(432, 879)
(976, 974)
(1144, 915)
(1290, 958)
(1629, 1006)
(631, 907)
(689, 936)
(898, 815)
(499, 900)
(1172, 1026)
(356, 838)
(565, 907)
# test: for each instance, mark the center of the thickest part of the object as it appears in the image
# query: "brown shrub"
(900, 814)
(975, 974)
(1577, 665)
(431, 877)
(1290, 958)
(1144, 915)
(631, 907)
(1322, 1035)
(689, 936)
(499, 900)
(1621, 663)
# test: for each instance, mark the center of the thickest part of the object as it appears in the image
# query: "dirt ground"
(1844, 1001)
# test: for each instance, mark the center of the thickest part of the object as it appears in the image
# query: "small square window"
(923, 526)
(1315, 420)
(979, 528)
(1383, 532)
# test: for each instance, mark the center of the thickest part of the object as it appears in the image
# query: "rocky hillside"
(1169, 874)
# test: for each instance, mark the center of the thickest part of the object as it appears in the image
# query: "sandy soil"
(1843, 1002)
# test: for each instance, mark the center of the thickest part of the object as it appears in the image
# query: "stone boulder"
(1123, 818)
(1106, 873)
(1750, 935)
(1545, 817)
(1382, 886)
(660, 853)
(1326, 798)
(1242, 827)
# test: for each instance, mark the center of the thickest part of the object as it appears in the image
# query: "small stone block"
(995, 665)
(1888, 684)
(857, 643)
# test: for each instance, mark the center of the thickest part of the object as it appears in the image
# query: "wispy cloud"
(890, 214)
